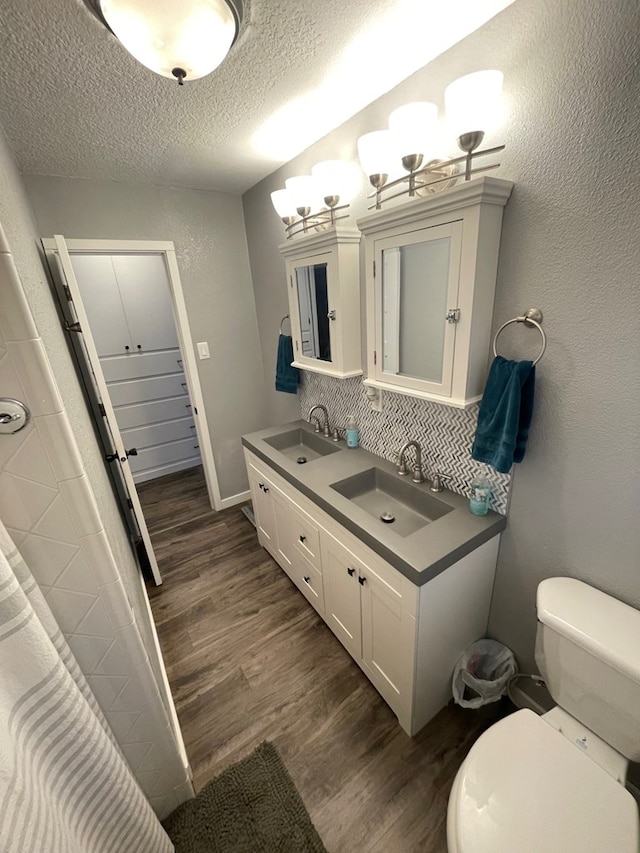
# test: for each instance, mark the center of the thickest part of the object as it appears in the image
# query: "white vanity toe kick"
(420, 556)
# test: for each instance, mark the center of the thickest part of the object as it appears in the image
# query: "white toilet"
(555, 784)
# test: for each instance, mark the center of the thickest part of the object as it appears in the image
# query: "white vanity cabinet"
(370, 608)
(323, 285)
(405, 638)
(431, 268)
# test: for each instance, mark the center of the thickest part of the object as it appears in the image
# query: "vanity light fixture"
(181, 39)
(377, 157)
(300, 204)
(473, 104)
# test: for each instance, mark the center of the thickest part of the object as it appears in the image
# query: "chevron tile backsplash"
(445, 433)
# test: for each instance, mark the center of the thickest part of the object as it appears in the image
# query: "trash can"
(482, 673)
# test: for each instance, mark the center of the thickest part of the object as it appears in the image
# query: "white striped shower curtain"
(64, 784)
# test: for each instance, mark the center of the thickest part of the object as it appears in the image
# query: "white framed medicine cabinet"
(323, 284)
(431, 267)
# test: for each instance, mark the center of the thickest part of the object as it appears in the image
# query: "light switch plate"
(203, 349)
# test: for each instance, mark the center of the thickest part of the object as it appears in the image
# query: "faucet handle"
(437, 484)
(401, 466)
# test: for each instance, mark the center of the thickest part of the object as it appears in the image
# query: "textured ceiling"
(74, 103)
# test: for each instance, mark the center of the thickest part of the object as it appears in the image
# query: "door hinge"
(291, 282)
(374, 269)
(129, 503)
(452, 315)
(102, 410)
(72, 327)
(375, 357)
(296, 346)
(67, 293)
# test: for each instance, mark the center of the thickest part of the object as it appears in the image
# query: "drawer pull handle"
(351, 572)
(184, 384)
(302, 538)
(361, 580)
(178, 361)
(306, 578)
(261, 486)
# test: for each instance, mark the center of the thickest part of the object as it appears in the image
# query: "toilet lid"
(524, 786)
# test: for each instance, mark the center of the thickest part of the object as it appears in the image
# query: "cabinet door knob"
(302, 538)
(266, 489)
(361, 580)
(351, 572)
(139, 346)
(261, 486)
(127, 348)
(306, 578)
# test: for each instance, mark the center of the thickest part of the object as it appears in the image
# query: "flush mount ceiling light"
(185, 39)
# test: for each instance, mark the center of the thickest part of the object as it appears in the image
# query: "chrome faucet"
(323, 409)
(417, 475)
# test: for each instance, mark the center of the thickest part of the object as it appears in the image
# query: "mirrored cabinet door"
(431, 266)
(313, 310)
(419, 286)
(323, 283)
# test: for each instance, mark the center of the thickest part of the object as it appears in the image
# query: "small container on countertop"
(352, 432)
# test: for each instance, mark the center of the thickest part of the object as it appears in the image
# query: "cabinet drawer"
(163, 454)
(152, 412)
(309, 582)
(305, 537)
(138, 365)
(147, 436)
(141, 390)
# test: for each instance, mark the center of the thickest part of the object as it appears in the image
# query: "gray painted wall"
(207, 229)
(570, 247)
(20, 228)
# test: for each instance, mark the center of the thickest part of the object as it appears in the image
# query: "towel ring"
(533, 317)
(286, 317)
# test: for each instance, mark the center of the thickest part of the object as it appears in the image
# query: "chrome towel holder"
(532, 318)
(286, 317)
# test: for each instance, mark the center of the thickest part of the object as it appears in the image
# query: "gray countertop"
(420, 556)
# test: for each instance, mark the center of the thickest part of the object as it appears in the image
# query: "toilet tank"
(588, 651)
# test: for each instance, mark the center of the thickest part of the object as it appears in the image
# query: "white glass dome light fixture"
(284, 205)
(334, 183)
(474, 105)
(181, 39)
(414, 129)
(377, 154)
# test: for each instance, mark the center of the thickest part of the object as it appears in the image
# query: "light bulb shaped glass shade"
(303, 192)
(474, 102)
(333, 179)
(192, 35)
(283, 203)
(377, 153)
(413, 126)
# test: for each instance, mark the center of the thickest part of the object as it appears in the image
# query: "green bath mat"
(252, 807)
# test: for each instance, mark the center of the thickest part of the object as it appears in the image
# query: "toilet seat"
(524, 786)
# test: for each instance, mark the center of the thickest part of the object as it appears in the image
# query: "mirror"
(415, 283)
(313, 311)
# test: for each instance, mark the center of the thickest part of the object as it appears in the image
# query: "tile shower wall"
(48, 507)
(445, 433)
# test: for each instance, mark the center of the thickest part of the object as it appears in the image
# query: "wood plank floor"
(249, 660)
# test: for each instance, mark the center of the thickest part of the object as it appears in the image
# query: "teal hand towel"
(505, 414)
(287, 377)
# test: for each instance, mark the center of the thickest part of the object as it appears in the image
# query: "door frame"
(167, 249)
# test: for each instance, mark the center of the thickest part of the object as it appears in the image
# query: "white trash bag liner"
(482, 673)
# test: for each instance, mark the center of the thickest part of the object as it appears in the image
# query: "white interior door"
(66, 270)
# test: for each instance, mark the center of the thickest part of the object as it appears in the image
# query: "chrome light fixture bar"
(181, 39)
